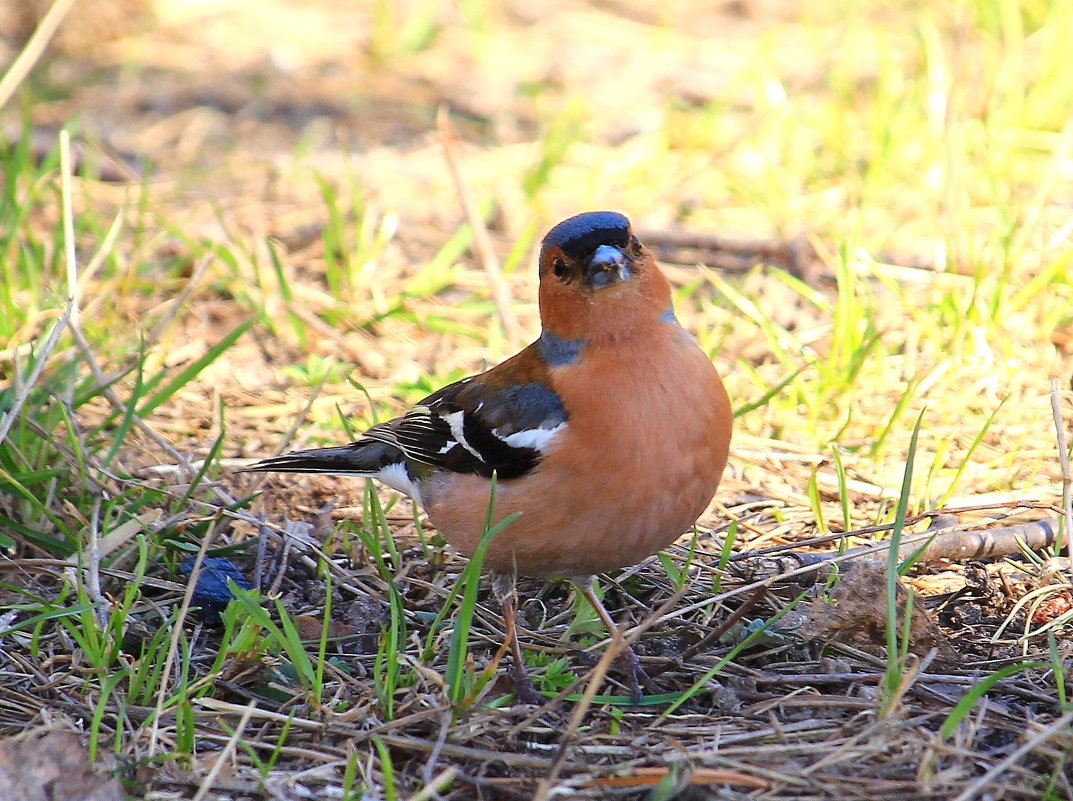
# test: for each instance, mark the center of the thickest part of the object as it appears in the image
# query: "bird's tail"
(366, 457)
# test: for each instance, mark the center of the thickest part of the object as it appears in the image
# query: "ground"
(275, 240)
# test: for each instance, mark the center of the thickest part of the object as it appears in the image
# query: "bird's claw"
(524, 688)
(640, 681)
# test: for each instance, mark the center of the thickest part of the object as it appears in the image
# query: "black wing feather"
(463, 428)
(482, 418)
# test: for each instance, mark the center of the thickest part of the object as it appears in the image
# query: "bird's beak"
(607, 266)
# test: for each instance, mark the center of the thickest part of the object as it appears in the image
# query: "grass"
(300, 264)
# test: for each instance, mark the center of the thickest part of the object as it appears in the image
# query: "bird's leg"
(636, 674)
(503, 587)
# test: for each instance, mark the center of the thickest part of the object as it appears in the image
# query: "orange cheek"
(564, 312)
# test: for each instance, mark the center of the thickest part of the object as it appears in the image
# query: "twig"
(1067, 480)
(945, 544)
(22, 65)
(976, 543)
(100, 604)
(483, 242)
(941, 518)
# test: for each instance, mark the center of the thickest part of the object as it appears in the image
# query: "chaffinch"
(608, 435)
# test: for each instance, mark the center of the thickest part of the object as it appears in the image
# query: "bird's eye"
(560, 269)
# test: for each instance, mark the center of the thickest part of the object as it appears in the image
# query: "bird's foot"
(503, 587)
(524, 688)
(640, 681)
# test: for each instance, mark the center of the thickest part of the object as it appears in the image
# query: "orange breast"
(642, 455)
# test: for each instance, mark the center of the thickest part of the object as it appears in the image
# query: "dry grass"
(282, 170)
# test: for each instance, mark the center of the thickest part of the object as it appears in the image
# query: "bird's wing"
(478, 425)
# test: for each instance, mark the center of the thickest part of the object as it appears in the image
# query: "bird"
(607, 436)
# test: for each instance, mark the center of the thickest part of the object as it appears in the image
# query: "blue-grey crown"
(580, 235)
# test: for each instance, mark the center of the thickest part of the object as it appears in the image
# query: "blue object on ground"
(211, 592)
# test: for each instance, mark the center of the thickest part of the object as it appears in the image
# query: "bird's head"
(597, 279)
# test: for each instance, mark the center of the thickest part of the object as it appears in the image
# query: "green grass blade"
(977, 691)
(470, 581)
(893, 672)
